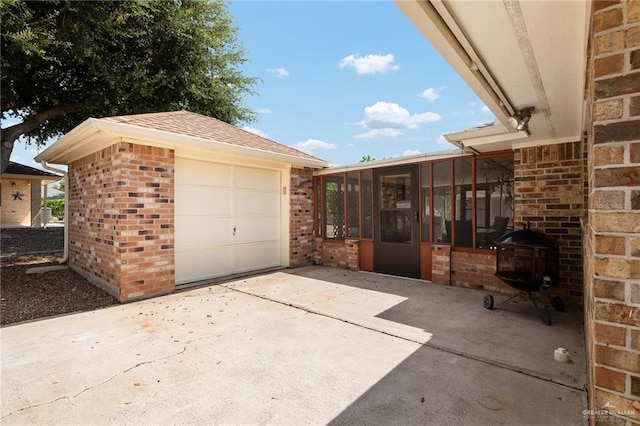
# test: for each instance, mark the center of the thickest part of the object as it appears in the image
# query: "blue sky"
(344, 79)
(351, 78)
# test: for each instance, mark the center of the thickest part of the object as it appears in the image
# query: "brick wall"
(612, 237)
(550, 193)
(121, 219)
(301, 218)
(336, 253)
(16, 211)
(476, 270)
(440, 265)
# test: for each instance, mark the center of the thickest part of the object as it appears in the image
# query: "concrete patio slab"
(450, 318)
(224, 355)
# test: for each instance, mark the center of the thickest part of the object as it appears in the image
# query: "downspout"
(65, 255)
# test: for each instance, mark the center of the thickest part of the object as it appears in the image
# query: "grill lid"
(527, 237)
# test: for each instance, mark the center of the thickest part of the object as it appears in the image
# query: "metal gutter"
(80, 137)
(388, 162)
(433, 19)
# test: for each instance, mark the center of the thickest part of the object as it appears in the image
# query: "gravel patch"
(26, 297)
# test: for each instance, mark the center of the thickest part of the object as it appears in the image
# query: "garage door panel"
(195, 265)
(195, 172)
(252, 203)
(199, 231)
(211, 200)
(194, 201)
(257, 229)
(248, 177)
(257, 256)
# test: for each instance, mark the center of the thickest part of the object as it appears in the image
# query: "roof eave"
(31, 177)
(476, 138)
(458, 53)
(387, 162)
(66, 149)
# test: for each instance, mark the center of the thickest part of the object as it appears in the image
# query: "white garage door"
(227, 219)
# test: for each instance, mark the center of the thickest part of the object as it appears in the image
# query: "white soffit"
(530, 53)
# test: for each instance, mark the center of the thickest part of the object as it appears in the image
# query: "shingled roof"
(14, 168)
(201, 126)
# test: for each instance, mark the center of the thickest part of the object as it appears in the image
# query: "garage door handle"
(234, 230)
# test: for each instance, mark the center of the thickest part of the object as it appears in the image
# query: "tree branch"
(6, 105)
(11, 133)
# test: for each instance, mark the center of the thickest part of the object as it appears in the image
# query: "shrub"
(56, 206)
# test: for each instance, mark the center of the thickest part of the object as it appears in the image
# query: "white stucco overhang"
(513, 54)
(94, 134)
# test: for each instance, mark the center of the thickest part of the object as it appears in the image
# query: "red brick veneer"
(121, 219)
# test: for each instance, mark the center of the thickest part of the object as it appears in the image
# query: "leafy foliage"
(65, 61)
(60, 186)
(56, 206)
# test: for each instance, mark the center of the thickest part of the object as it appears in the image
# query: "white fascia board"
(57, 151)
(476, 132)
(431, 24)
(399, 161)
(70, 147)
(470, 140)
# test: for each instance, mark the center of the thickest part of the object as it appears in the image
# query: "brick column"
(301, 218)
(550, 195)
(612, 234)
(121, 219)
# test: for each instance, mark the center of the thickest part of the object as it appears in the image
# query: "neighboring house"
(162, 200)
(20, 195)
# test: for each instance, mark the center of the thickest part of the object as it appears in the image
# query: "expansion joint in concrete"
(429, 345)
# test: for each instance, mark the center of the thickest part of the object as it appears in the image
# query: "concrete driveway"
(306, 346)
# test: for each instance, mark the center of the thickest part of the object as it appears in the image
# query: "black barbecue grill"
(529, 261)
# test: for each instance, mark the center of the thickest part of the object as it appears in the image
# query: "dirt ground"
(26, 297)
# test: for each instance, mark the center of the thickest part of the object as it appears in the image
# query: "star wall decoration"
(17, 196)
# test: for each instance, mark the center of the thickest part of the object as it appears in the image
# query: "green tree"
(367, 158)
(60, 186)
(64, 61)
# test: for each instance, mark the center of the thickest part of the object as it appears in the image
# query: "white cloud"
(485, 109)
(369, 64)
(410, 152)
(255, 131)
(310, 144)
(385, 119)
(264, 111)
(279, 72)
(380, 133)
(442, 141)
(431, 93)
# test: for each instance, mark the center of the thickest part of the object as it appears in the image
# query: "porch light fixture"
(520, 120)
